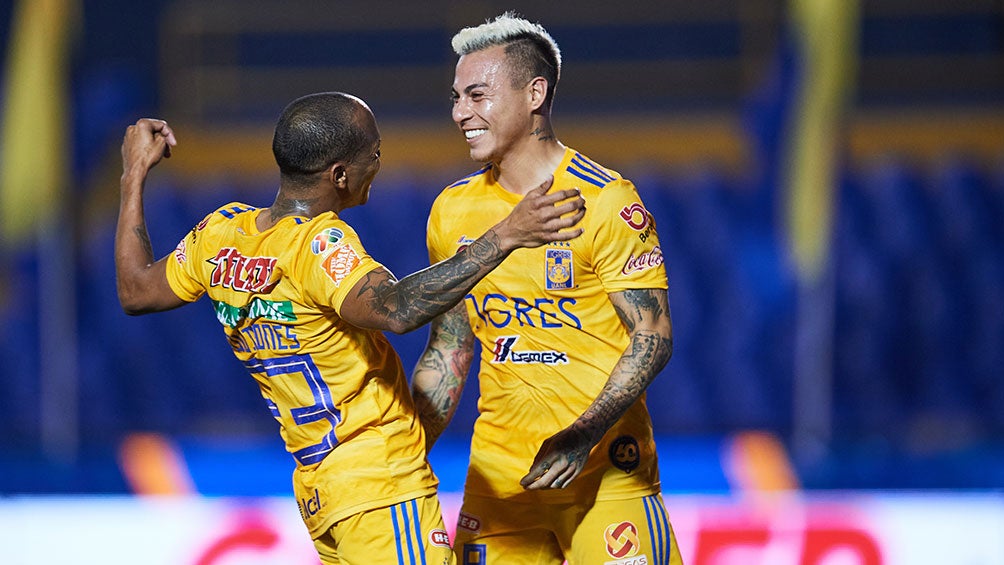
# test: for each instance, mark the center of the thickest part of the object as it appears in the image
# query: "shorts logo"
(643, 261)
(558, 270)
(503, 353)
(622, 544)
(467, 522)
(325, 240)
(439, 538)
(475, 554)
(340, 263)
(624, 453)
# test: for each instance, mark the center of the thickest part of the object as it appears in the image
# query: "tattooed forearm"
(645, 314)
(646, 356)
(418, 298)
(441, 372)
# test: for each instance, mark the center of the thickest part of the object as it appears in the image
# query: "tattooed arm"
(441, 371)
(645, 314)
(378, 301)
(141, 282)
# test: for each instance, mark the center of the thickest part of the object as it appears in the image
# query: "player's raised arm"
(378, 301)
(141, 282)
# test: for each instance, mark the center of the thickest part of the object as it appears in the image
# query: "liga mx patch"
(326, 240)
(558, 270)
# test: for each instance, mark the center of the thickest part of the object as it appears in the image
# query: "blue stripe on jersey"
(585, 177)
(592, 167)
(418, 532)
(470, 177)
(232, 212)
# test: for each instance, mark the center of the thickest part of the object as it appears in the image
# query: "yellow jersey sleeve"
(337, 262)
(182, 274)
(626, 250)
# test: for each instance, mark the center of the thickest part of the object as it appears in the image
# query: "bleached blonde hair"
(530, 50)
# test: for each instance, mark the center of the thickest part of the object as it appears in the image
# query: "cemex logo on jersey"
(503, 353)
(463, 242)
(243, 274)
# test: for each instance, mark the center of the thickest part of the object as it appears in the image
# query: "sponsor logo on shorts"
(439, 538)
(622, 544)
(504, 353)
(340, 263)
(475, 554)
(310, 505)
(624, 453)
(326, 240)
(643, 262)
(558, 269)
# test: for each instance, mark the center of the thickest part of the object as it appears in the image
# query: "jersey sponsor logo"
(439, 538)
(624, 453)
(636, 216)
(558, 269)
(257, 308)
(500, 311)
(181, 252)
(622, 540)
(639, 219)
(475, 554)
(310, 505)
(467, 522)
(243, 274)
(326, 240)
(342, 261)
(504, 353)
(643, 262)
(463, 243)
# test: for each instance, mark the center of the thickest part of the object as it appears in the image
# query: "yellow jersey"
(550, 336)
(339, 392)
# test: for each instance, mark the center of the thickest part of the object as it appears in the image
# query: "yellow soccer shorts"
(408, 533)
(635, 531)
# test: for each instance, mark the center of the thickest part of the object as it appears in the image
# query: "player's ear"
(337, 175)
(537, 91)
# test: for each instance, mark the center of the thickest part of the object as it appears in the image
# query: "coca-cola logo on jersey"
(643, 261)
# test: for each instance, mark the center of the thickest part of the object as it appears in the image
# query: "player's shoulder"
(594, 181)
(477, 176)
(229, 212)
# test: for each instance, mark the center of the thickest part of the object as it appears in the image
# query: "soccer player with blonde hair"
(563, 462)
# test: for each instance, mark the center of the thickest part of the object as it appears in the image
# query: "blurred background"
(827, 179)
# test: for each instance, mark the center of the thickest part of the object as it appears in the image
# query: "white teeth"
(472, 133)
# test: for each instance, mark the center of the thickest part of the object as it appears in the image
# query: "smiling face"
(495, 117)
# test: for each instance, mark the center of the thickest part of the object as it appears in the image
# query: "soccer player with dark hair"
(302, 305)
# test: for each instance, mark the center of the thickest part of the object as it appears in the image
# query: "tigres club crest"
(559, 270)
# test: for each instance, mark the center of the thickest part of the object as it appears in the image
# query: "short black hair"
(315, 131)
(530, 56)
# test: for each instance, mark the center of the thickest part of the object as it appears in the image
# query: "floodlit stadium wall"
(818, 529)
